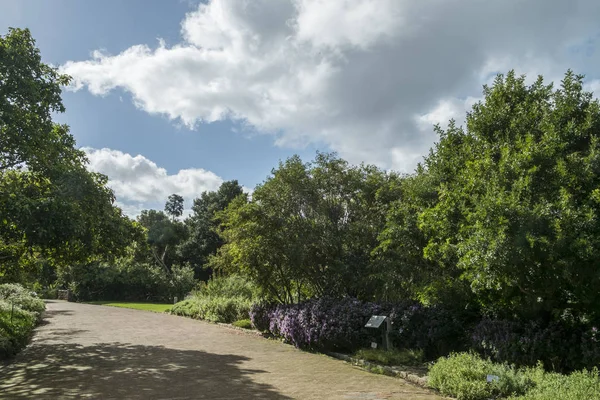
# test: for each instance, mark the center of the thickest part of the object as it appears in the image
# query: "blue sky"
(71, 30)
(234, 86)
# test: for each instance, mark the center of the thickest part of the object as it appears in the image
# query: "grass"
(243, 323)
(136, 306)
(391, 358)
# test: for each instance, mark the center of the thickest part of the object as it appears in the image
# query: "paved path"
(99, 352)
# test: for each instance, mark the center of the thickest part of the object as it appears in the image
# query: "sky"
(177, 96)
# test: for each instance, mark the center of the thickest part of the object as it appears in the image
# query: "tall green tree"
(162, 237)
(310, 229)
(203, 240)
(174, 206)
(51, 208)
(519, 198)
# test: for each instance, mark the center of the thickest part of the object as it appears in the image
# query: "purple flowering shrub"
(590, 347)
(259, 316)
(338, 324)
(560, 345)
(435, 330)
(324, 323)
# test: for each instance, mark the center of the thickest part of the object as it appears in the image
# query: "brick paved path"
(87, 351)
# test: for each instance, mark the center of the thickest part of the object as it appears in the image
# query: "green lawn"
(137, 306)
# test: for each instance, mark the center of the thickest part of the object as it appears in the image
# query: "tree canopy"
(53, 209)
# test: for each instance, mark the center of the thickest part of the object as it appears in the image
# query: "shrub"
(463, 376)
(21, 297)
(324, 323)
(391, 357)
(20, 310)
(582, 385)
(214, 309)
(338, 324)
(434, 329)
(228, 286)
(243, 323)
(126, 281)
(560, 345)
(259, 315)
(223, 299)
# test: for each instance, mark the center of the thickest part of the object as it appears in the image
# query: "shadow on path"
(122, 371)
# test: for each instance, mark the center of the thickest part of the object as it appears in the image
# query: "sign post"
(375, 322)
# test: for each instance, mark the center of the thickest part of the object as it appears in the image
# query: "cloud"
(139, 183)
(363, 77)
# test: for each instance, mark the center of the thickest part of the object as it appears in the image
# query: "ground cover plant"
(243, 323)
(465, 377)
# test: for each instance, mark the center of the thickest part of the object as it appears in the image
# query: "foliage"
(517, 208)
(214, 309)
(324, 323)
(29, 94)
(162, 236)
(203, 240)
(391, 357)
(126, 280)
(20, 311)
(221, 299)
(260, 315)
(559, 345)
(243, 323)
(23, 298)
(227, 286)
(309, 230)
(54, 210)
(464, 376)
(436, 330)
(174, 206)
(580, 385)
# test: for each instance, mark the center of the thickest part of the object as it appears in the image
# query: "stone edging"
(252, 332)
(392, 371)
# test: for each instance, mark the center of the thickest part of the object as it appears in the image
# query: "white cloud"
(364, 77)
(139, 183)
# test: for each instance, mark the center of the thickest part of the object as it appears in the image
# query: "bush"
(324, 323)
(20, 311)
(126, 281)
(21, 297)
(582, 385)
(392, 357)
(225, 299)
(560, 345)
(243, 323)
(214, 309)
(338, 324)
(259, 315)
(228, 286)
(463, 376)
(435, 330)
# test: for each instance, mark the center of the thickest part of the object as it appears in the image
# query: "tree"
(29, 94)
(53, 210)
(162, 237)
(174, 206)
(310, 229)
(203, 240)
(518, 203)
